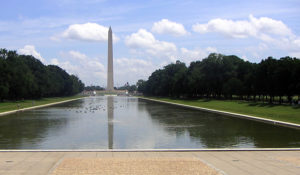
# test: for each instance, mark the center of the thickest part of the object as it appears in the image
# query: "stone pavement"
(151, 162)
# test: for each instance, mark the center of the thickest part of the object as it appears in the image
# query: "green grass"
(14, 105)
(284, 113)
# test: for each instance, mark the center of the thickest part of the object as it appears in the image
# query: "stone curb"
(243, 116)
(152, 150)
(39, 106)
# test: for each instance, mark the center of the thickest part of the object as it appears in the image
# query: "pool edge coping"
(38, 106)
(152, 150)
(243, 116)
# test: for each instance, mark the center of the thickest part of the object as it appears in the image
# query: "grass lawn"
(276, 112)
(13, 105)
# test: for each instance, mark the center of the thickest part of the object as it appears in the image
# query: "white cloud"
(132, 62)
(273, 32)
(66, 65)
(30, 50)
(255, 52)
(168, 27)
(295, 54)
(130, 70)
(270, 26)
(238, 29)
(188, 56)
(262, 28)
(54, 61)
(87, 32)
(77, 55)
(95, 65)
(146, 41)
(89, 70)
(211, 50)
(92, 71)
(83, 60)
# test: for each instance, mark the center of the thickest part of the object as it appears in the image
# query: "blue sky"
(147, 34)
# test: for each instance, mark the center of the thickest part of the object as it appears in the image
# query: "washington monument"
(110, 68)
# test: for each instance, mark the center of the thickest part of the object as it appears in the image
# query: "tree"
(21, 80)
(266, 74)
(233, 87)
(24, 77)
(129, 88)
(141, 85)
(4, 84)
(221, 76)
(39, 71)
(132, 88)
(178, 82)
(213, 74)
(93, 88)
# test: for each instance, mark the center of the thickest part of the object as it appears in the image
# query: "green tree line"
(25, 77)
(221, 76)
(93, 88)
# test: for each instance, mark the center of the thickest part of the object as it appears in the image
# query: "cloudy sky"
(147, 34)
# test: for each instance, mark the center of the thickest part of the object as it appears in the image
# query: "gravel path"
(133, 166)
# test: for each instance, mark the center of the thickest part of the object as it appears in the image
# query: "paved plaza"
(151, 162)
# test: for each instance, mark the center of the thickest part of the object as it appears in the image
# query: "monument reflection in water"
(110, 121)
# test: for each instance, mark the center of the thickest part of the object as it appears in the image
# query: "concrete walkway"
(209, 162)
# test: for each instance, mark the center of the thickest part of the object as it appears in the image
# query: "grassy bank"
(284, 113)
(15, 105)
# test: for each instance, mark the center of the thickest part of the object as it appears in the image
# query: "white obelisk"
(110, 69)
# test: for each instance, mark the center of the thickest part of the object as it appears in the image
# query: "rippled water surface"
(130, 123)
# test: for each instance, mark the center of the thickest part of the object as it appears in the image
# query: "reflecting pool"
(112, 122)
